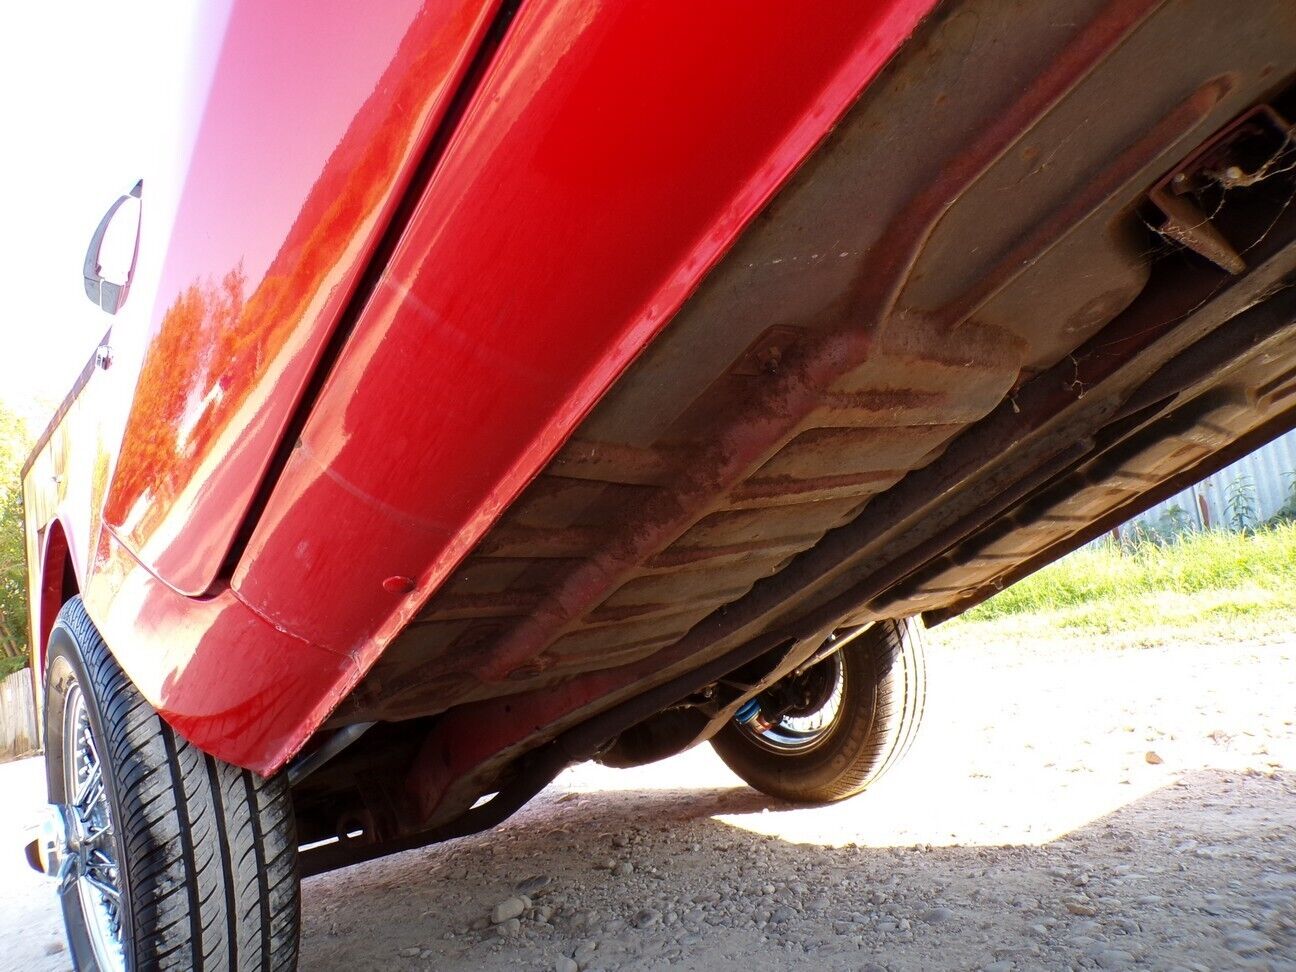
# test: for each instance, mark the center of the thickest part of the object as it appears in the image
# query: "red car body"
(496, 385)
(250, 496)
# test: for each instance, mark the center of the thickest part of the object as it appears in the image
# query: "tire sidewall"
(66, 663)
(831, 757)
(881, 708)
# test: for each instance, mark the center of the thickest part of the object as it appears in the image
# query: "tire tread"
(210, 849)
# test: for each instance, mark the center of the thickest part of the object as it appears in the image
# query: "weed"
(1240, 504)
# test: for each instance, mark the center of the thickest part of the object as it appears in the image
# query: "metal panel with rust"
(972, 223)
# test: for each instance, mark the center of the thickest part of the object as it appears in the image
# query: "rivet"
(398, 584)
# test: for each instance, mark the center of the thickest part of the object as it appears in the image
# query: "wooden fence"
(17, 716)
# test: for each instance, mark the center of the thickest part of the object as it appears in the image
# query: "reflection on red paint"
(613, 151)
(236, 342)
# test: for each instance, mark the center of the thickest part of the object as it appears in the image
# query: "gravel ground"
(1066, 806)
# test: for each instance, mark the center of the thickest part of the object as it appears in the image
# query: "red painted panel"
(612, 154)
(219, 673)
(311, 125)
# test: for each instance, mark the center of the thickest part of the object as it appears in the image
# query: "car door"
(100, 125)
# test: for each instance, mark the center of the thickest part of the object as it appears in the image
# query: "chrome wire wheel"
(91, 857)
(805, 710)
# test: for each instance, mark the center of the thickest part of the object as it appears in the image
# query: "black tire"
(882, 692)
(205, 852)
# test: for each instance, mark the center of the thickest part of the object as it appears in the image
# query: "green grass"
(12, 663)
(1237, 583)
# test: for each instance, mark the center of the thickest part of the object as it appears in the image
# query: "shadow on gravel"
(1202, 870)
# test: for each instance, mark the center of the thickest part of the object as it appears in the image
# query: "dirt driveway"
(1067, 806)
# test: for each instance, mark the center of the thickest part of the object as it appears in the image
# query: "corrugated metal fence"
(1265, 477)
(17, 716)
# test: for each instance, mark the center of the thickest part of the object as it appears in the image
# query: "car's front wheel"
(167, 858)
(827, 732)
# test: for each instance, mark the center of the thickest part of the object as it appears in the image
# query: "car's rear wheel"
(167, 858)
(830, 731)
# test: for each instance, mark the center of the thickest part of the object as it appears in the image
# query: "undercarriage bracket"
(1256, 146)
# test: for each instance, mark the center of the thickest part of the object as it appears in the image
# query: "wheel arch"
(58, 585)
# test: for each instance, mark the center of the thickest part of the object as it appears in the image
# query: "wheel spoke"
(92, 871)
(97, 859)
(103, 887)
(91, 788)
(71, 873)
(94, 836)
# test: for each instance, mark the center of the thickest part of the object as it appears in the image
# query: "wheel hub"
(799, 712)
(54, 851)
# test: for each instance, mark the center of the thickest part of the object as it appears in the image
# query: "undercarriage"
(982, 325)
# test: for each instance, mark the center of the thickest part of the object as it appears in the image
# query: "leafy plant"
(1287, 512)
(1240, 504)
(13, 571)
(1168, 528)
(12, 663)
(1174, 521)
